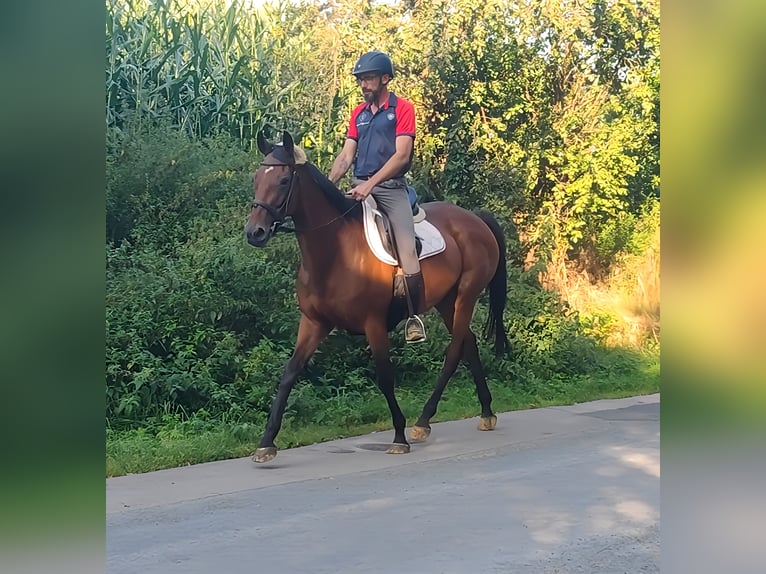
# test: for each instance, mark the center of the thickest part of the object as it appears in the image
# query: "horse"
(341, 284)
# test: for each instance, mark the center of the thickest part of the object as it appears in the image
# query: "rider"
(380, 143)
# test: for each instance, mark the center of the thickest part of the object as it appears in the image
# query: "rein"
(279, 214)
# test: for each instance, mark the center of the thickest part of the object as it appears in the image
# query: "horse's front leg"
(310, 335)
(384, 375)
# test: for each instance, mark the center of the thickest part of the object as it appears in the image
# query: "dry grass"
(625, 307)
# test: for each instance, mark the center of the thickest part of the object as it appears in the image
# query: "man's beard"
(371, 97)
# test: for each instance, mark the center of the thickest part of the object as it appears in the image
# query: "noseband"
(279, 214)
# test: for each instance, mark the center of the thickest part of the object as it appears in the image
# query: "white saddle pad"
(430, 237)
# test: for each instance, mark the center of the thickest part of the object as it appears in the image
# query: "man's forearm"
(339, 168)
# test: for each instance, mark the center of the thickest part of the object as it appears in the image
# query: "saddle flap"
(431, 239)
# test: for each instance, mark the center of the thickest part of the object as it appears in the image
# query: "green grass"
(180, 441)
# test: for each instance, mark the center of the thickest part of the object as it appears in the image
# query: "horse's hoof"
(264, 454)
(487, 423)
(419, 434)
(398, 448)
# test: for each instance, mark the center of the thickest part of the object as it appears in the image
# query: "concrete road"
(557, 490)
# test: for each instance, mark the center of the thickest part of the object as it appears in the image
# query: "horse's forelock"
(299, 156)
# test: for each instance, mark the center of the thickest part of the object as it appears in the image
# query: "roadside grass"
(176, 440)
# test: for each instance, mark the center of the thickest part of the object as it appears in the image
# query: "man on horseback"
(380, 144)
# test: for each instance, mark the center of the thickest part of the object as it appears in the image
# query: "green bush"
(158, 179)
(546, 335)
(180, 322)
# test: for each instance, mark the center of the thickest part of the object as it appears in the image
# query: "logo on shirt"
(364, 118)
(391, 116)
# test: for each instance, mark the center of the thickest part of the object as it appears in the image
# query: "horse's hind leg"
(456, 313)
(471, 357)
(310, 334)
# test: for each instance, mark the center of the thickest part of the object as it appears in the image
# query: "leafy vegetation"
(546, 114)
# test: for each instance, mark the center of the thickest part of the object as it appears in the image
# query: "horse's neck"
(326, 236)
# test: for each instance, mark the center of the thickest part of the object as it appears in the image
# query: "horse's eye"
(284, 181)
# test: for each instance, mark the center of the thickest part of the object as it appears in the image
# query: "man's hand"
(361, 191)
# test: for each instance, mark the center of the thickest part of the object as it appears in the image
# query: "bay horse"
(340, 283)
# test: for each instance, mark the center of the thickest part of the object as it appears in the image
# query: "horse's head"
(274, 186)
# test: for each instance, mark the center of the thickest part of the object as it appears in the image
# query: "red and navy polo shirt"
(376, 134)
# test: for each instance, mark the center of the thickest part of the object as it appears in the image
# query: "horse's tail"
(497, 288)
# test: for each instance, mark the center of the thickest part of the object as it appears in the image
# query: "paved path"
(562, 489)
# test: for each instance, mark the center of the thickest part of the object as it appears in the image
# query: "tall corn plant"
(202, 65)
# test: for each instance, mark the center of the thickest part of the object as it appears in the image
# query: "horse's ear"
(265, 147)
(287, 142)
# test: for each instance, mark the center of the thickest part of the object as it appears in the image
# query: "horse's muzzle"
(257, 235)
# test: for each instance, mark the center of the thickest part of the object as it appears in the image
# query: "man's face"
(371, 83)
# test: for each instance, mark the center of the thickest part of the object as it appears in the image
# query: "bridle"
(279, 214)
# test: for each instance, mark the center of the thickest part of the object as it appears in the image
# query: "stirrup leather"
(414, 330)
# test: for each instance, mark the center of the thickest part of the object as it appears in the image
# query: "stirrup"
(414, 330)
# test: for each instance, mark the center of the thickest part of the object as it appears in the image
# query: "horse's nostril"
(256, 235)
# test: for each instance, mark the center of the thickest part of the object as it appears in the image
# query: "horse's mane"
(343, 203)
(340, 201)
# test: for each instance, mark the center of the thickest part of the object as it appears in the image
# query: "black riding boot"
(414, 330)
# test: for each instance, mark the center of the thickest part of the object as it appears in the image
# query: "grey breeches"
(392, 200)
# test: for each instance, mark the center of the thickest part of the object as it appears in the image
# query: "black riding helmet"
(374, 62)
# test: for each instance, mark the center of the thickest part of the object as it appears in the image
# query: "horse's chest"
(338, 301)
